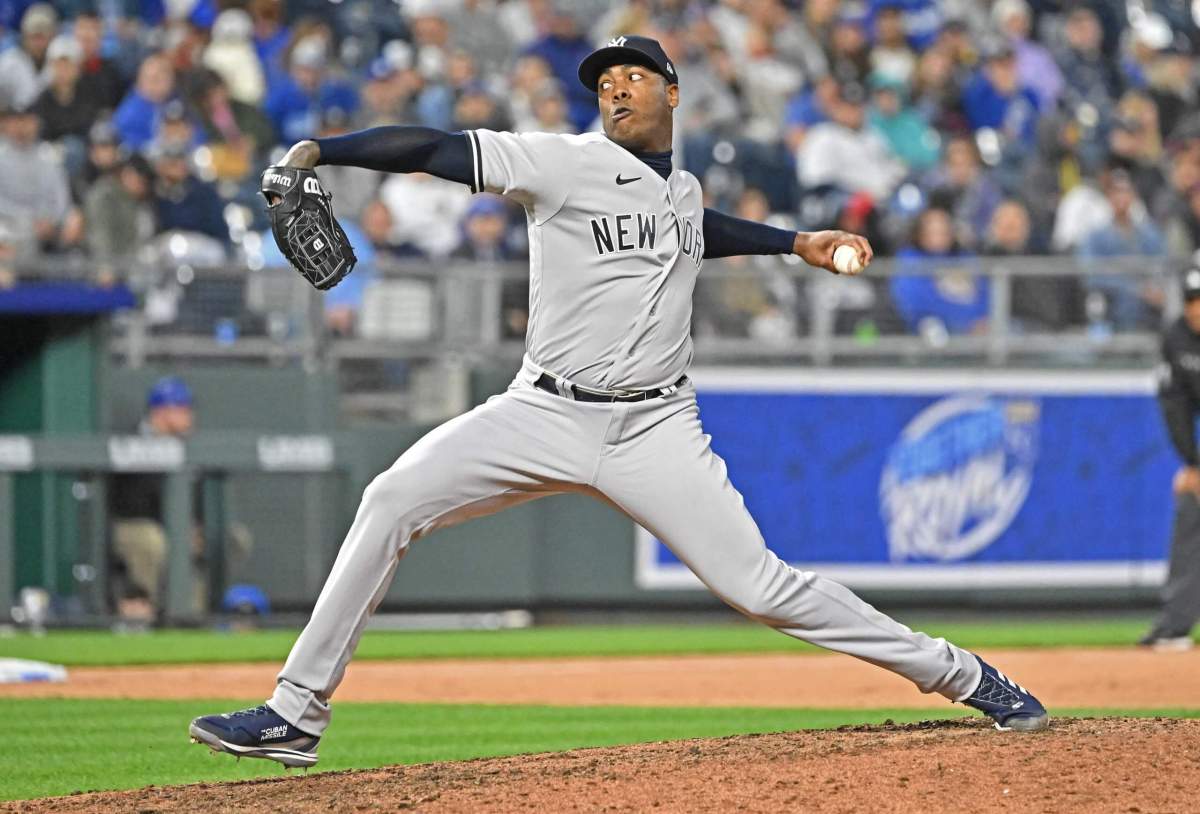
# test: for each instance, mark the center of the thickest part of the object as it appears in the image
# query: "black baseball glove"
(304, 226)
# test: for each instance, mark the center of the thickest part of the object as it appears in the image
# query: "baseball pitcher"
(602, 404)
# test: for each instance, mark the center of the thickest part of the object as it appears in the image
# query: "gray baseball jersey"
(614, 252)
(614, 255)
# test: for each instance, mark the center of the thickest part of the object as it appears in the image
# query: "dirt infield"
(1078, 766)
(1115, 677)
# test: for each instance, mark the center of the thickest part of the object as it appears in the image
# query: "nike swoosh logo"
(623, 181)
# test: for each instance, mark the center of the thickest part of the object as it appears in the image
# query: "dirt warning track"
(1116, 678)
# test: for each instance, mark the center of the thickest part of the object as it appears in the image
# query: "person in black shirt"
(1179, 397)
(135, 505)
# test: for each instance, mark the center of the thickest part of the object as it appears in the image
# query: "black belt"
(550, 383)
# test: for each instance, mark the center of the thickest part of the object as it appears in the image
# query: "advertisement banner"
(896, 479)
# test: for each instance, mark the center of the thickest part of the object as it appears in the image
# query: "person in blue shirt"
(954, 299)
(922, 19)
(994, 98)
(295, 100)
(137, 117)
(1130, 301)
(563, 48)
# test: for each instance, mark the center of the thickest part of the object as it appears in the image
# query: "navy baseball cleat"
(1006, 702)
(256, 732)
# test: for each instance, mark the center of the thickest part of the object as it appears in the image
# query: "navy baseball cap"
(631, 50)
(169, 391)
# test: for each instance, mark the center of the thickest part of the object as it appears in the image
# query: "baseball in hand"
(845, 260)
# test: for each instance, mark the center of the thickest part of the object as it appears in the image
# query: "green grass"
(76, 648)
(54, 746)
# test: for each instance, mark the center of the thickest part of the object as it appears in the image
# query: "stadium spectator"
(476, 109)
(294, 102)
(962, 185)
(563, 47)
(477, 28)
(391, 89)
(819, 18)
(790, 40)
(430, 37)
(176, 126)
(962, 48)
(1090, 76)
(907, 134)
(750, 68)
(379, 227)
(1009, 232)
(995, 99)
(485, 232)
(920, 20)
(485, 239)
(120, 216)
(271, 36)
(137, 117)
(1038, 302)
(34, 191)
(891, 56)
(186, 38)
(1081, 210)
(63, 110)
(744, 299)
(1171, 84)
(103, 155)
(849, 48)
(456, 76)
(1134, 141)
(846, 155)
(807, 108)
(548, 110)
(426, 210)
(238, 134)
(529, 75)
(1036, 68)
(766, 82)
(232, 56)
(1128, 234)
(709, 109)
(139, 541)
(182, 201)
(954, 299)
(21, 66)
(99, 78)
(937, 92)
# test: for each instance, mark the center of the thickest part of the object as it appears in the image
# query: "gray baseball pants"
(650, 460)
(1181, 594)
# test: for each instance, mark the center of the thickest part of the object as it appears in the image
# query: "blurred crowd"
(945, 131)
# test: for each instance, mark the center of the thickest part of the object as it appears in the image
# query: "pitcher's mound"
(1080, 765)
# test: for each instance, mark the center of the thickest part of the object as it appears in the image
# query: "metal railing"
(1049, 311)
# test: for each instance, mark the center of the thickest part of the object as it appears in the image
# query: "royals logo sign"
(957, 476)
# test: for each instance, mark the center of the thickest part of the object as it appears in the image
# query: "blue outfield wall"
(928, 479)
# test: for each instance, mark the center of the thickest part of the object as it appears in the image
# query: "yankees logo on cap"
(626, 50)
(1191, 284)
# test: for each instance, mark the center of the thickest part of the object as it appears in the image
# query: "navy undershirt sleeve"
(726, 236)
(400, 148)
